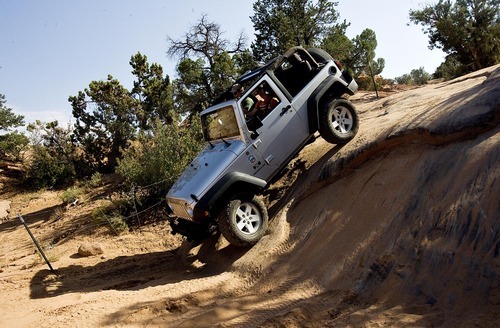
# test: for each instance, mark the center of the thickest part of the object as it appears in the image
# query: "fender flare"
(313, 102)
(332, 88)
(244, 181)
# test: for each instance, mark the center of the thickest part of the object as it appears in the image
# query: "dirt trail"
(398, 228)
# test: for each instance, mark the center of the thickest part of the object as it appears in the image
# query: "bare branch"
(205, 40)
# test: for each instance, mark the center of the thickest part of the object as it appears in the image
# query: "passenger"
(266, 101)
(247, 103)
(237, 90)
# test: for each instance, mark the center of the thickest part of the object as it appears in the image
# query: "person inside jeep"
(237, 90)
(247, 103)
(265, 102)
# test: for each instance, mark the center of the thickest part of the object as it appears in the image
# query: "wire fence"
(33, 220)
(108, 219)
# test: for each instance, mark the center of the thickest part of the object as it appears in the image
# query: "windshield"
(220, 124)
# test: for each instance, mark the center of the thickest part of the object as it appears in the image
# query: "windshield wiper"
(226, 142)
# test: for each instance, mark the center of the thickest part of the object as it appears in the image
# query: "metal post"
(373, 79)
(36, 243)
(135, 206)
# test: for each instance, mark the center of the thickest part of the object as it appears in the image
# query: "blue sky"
(51, 49)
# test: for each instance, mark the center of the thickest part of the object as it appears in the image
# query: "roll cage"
(290, 72)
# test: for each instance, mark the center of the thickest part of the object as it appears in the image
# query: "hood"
(205, 170)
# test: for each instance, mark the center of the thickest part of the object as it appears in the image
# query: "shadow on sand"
(137, 271)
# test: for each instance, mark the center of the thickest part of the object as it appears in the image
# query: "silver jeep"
(249, 141)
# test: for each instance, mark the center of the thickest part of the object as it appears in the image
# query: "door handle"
(285, 109)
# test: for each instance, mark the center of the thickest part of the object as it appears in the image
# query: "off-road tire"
(338, 121)
(243, 219)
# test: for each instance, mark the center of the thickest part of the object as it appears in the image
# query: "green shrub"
(45, 170)
(404, 79)
(365, 82)
(71, 194)
(118, 224)
(95, 180)
(12, 146)
(110, 217)
(157, 158)
(420, 76)
(99, 214)
(52, 156)
(417, 76)
(450, 68)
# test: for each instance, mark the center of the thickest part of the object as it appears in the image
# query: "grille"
(179, 209)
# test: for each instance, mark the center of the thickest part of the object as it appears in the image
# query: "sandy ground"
(398, 228)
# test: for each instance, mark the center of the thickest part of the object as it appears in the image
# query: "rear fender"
(328, 89)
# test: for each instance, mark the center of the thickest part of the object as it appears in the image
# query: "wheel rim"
(248, 218)
(342, 119)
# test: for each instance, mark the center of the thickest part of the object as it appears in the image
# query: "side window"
(260, 102)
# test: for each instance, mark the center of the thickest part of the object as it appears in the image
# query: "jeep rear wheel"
(338, 122)
(243, 220)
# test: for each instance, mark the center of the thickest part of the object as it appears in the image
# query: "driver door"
(281, 133)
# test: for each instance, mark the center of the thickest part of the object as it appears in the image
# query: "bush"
(110, 217)
(365, 82)
(44, 170)
(157, 158)
(12, 146)
(420, 76)
(71, 194)
(450, 69)
(417, 76)
(95, 180)
(118, 224)
(389, 81)
(51, 162)
(404, 79)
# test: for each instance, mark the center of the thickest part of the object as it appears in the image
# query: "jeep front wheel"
(338, 122)
(243, 220)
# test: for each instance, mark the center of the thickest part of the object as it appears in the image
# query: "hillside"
(400, 227)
